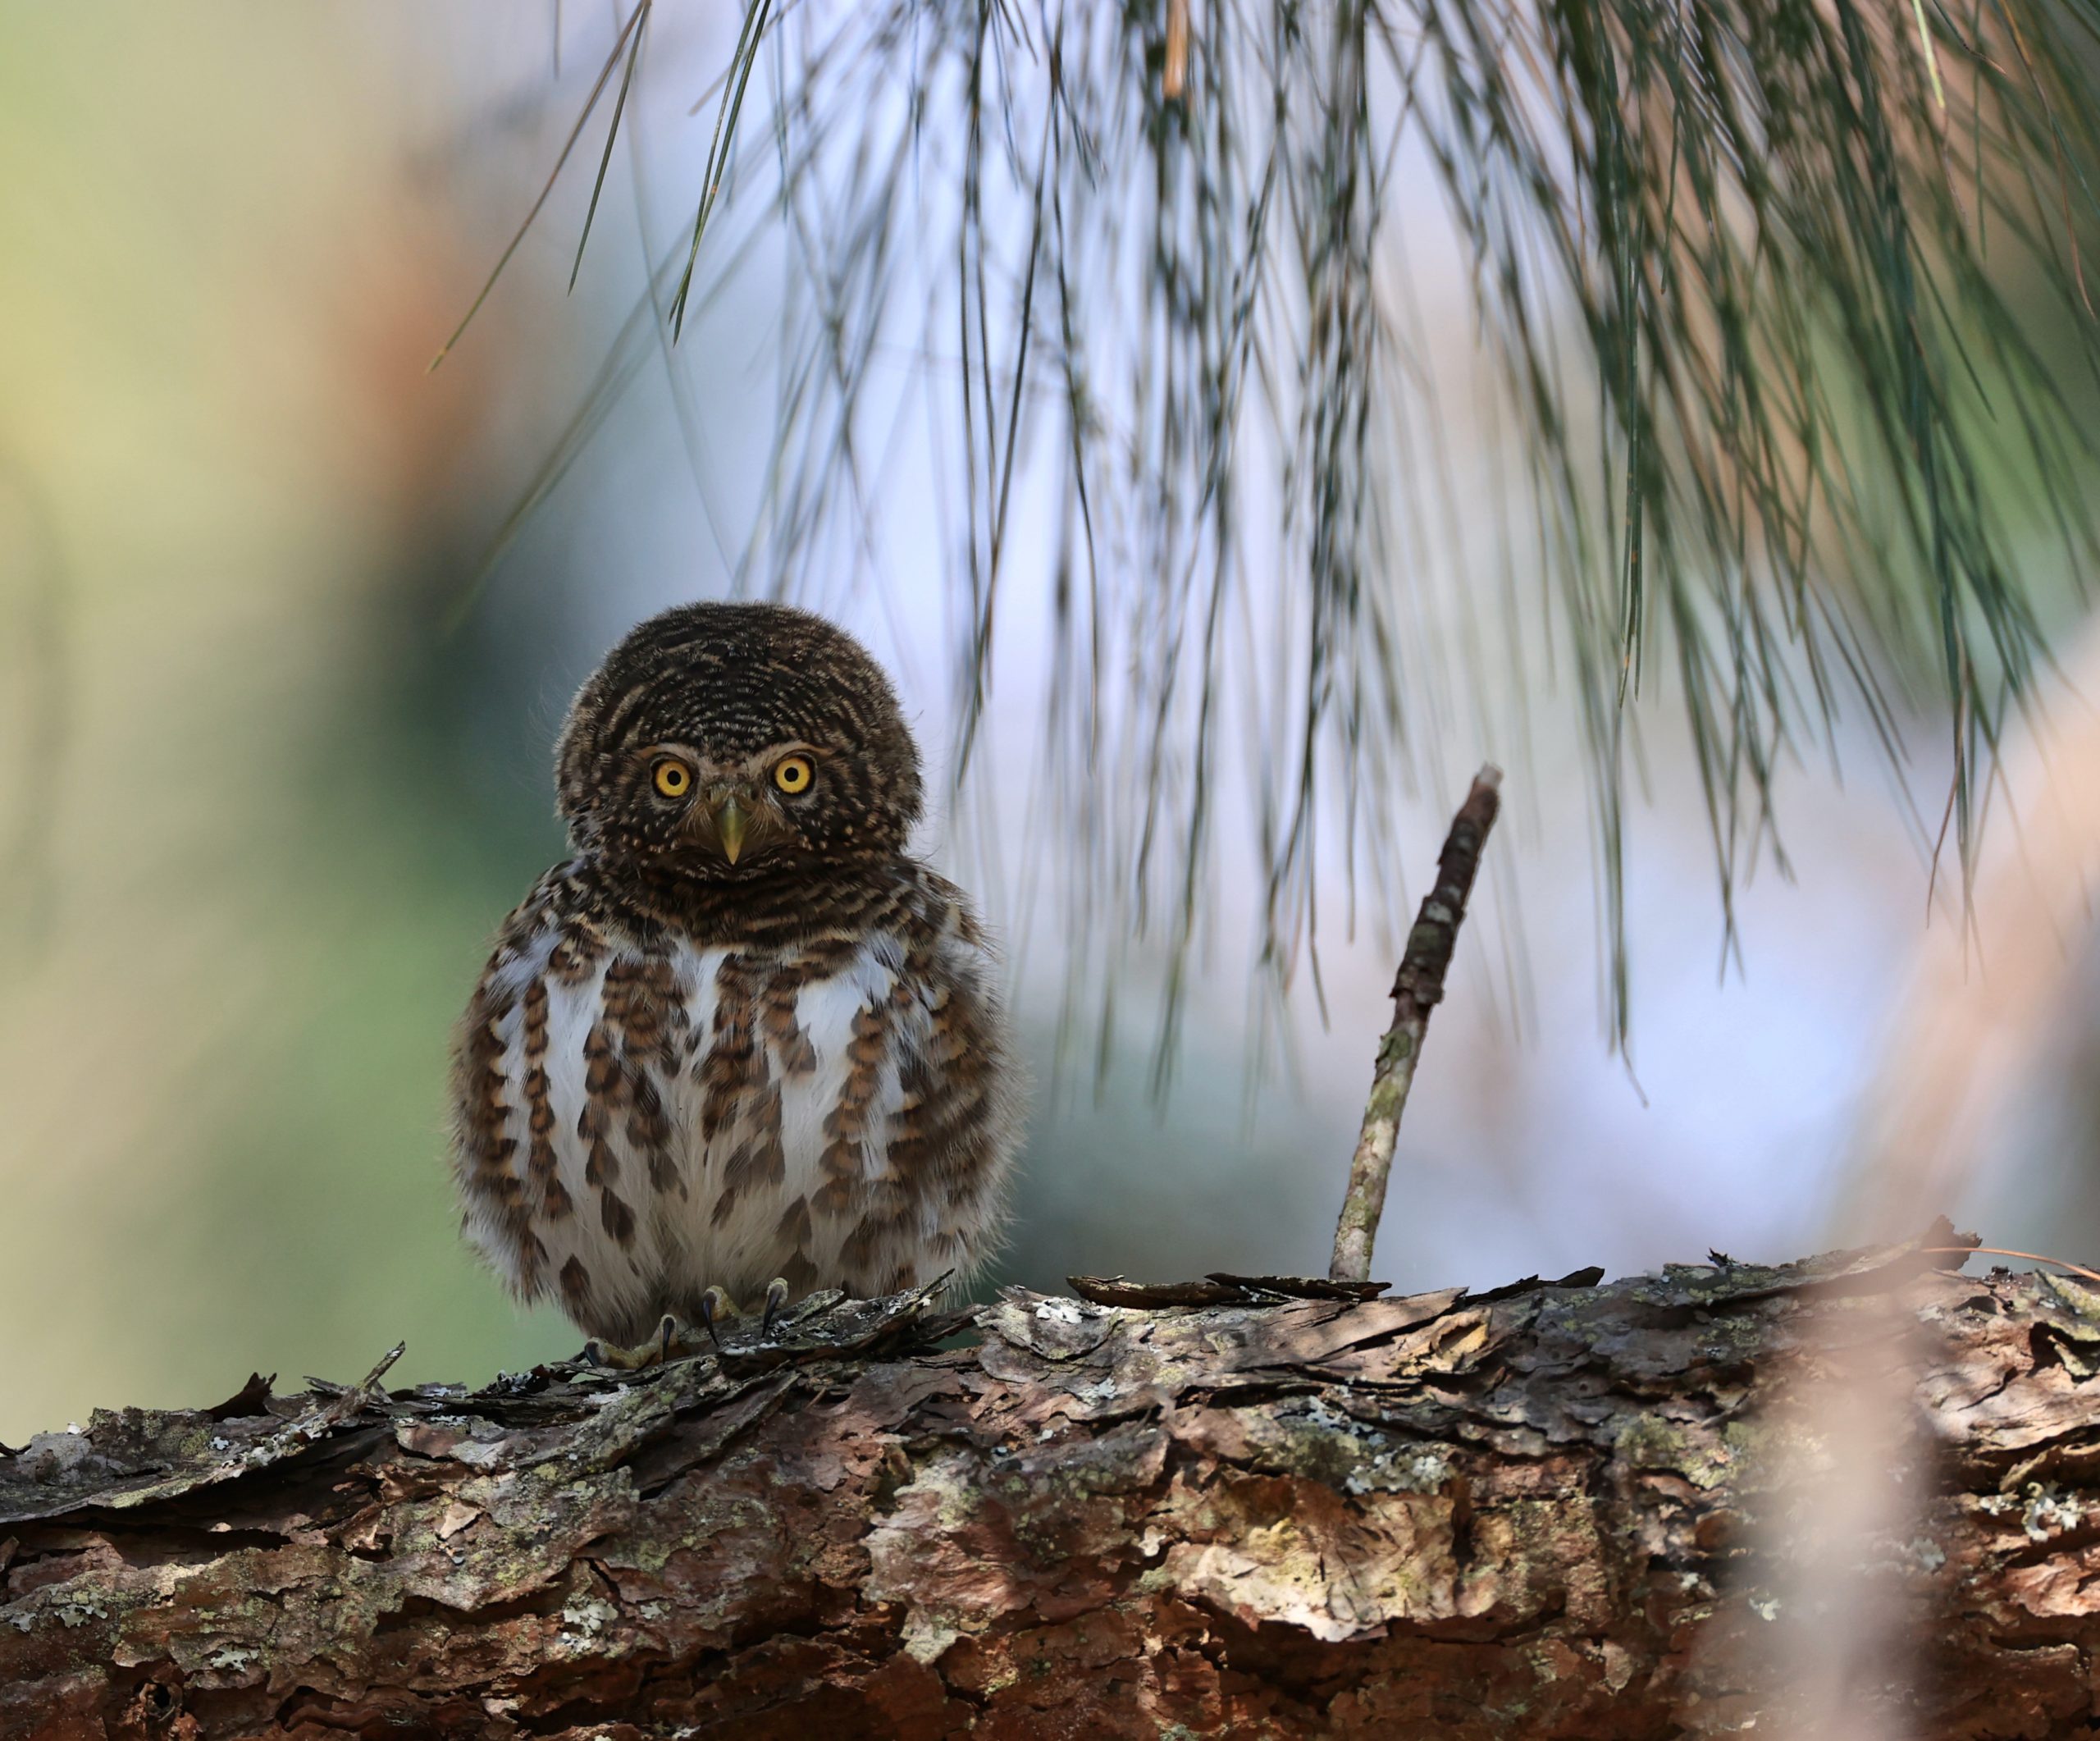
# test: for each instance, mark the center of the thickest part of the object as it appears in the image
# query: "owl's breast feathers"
(644, 1109)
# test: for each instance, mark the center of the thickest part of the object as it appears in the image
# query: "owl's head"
(723, 743)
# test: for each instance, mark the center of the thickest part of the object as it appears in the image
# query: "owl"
(739, 1043)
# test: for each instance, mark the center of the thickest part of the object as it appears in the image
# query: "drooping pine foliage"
(1784, 297)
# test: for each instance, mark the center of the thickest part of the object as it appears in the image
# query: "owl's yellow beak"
(731, 822)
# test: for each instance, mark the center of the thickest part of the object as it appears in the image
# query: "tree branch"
(1544, 1511)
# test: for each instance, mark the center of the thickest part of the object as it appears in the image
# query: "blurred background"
(274, 763)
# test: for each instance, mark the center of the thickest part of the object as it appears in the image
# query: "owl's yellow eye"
(673, 778)
(794, 775)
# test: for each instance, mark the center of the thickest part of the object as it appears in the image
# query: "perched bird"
(740, 1043)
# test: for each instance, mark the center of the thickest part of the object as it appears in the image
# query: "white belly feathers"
(667, 1233)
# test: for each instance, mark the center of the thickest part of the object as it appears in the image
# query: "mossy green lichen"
(1649, 1441)
(2081, 1303)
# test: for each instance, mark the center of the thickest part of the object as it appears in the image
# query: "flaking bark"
(1523, 1514)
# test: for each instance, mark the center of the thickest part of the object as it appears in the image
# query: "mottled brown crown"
(733, 683)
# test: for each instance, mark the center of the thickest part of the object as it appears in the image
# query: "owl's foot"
(671, 1340)
(674, 1341)
(717, 1308)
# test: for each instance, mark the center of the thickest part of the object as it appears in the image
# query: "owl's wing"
(490, 1132)
(934, 1198)
(564, 1137)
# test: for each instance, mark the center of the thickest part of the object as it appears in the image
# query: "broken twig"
(1417, 989)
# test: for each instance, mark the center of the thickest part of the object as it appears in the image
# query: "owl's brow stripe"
(612, 733)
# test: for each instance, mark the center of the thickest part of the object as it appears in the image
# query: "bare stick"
(1417, 989)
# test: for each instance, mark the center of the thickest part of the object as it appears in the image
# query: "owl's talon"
(776, 1300)
(715, 1305)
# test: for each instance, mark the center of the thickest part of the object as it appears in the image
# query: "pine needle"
(554, 174)
(637, 30)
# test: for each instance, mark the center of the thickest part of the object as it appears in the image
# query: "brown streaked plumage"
(740, 1034)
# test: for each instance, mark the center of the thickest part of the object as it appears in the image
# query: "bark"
(1527, 1513)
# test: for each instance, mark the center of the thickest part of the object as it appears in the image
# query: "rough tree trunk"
(1524, 1514)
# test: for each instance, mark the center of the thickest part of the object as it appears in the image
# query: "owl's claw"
(776, 1300)
(673, 1340)
(715, 1305)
